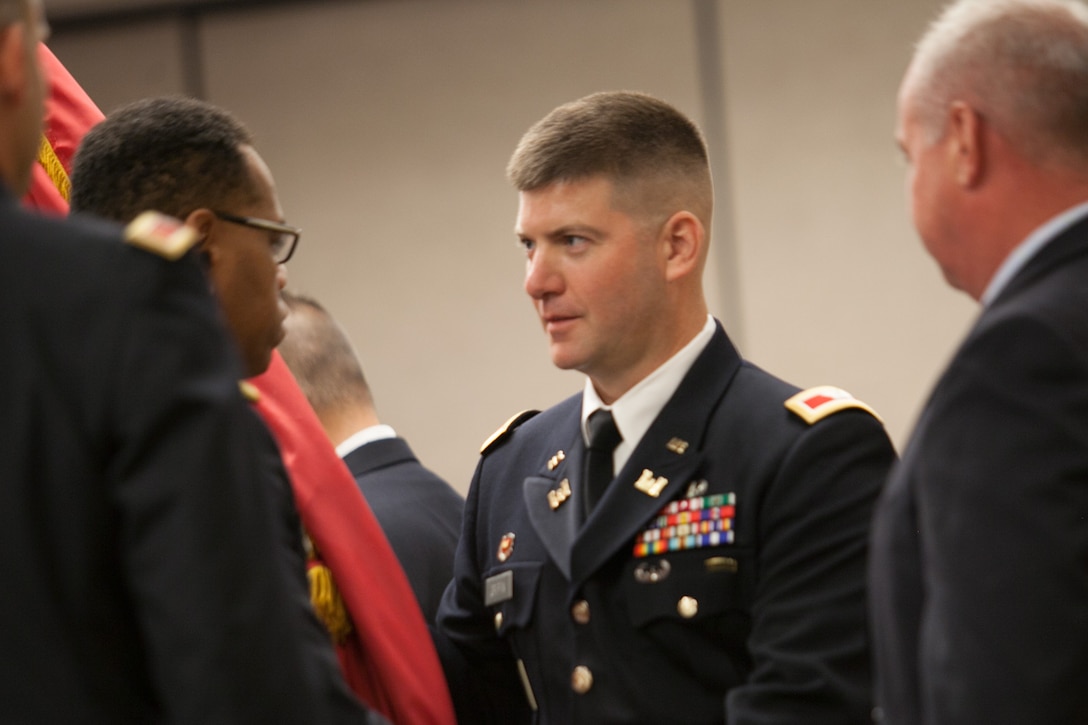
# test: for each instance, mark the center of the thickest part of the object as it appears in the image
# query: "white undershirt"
(366, 435)
(635, 410)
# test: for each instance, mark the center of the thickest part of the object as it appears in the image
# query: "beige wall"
(387, 125)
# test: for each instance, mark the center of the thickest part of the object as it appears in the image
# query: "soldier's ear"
(684, 239)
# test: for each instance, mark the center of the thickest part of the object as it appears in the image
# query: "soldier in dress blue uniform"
(698, 556)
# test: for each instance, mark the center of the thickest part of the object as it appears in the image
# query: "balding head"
(324, 363)
(1023, 64)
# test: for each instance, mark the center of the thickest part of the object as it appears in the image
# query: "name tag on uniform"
(499, 588)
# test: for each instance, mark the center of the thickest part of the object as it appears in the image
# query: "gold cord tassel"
(325, 597)
(327, 602)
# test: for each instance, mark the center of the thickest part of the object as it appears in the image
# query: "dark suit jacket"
(418, 511)
(137, 534)
(768, 628)
(980, 561)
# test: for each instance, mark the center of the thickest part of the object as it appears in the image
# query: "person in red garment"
(386, 653)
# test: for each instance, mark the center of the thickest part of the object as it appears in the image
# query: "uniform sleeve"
(480, 668)
(197, 533)
(809, 644)
(1001, 485)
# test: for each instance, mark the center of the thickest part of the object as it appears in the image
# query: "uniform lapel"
(670, 450)
(556, 518)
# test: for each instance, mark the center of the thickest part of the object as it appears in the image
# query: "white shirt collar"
(366, 435)
(635, 410)
(1028, 248)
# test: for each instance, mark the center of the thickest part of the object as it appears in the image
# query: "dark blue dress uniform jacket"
(980, 552)
(770, 628)
(138, 528)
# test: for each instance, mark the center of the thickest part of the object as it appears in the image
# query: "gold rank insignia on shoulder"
(161, 234)
(249, 391)
(817, 403)
(506, 428)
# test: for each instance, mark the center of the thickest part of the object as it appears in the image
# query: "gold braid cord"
(328, 604)
(47, 157)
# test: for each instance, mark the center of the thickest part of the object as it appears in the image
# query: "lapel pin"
(651, 485)
(506, 547)
(677, 445)
(555, 460)
(557, 496)
(697, 488)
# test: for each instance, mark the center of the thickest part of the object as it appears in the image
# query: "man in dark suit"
(697, 556)
(418, 511)
(134, 519)
(979, 571)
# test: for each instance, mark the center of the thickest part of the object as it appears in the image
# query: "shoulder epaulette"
(161, 234)
(249, 391)
(817, 403)
(507, 428)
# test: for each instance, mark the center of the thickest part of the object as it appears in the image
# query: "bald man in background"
(418, 511)
(979, 566)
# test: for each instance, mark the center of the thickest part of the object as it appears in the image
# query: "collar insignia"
(558, 496)
(651, 485)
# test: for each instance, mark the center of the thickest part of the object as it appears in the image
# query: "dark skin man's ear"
(202, 221)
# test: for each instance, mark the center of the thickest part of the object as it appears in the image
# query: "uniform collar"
(366, 435)
(635, 410)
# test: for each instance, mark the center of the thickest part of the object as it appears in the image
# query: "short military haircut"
(1022, 63)
(654, 155)
(171, 154)
(322, 359)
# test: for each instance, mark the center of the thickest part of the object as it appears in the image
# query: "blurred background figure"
(419, 512)
(979, 566)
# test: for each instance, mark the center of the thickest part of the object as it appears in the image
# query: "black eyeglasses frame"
(285, 230)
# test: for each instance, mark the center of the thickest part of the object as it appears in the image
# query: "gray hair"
(1023, 64)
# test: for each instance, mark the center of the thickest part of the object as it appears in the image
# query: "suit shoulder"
(504, 431)
(815, 404)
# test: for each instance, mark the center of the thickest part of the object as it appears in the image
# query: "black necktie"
(603, 439)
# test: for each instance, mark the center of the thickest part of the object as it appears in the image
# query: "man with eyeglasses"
(191, 160)
(194, 161)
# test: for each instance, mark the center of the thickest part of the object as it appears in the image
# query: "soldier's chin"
(565, 359)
